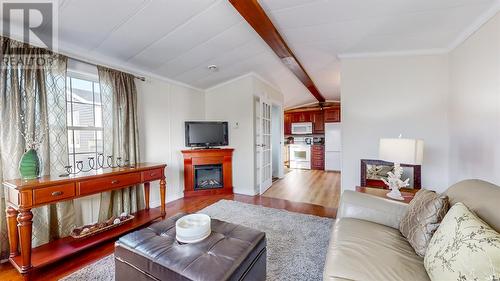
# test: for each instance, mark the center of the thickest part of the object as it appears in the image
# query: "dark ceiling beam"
(253, 13)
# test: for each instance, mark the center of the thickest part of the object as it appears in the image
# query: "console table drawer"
(107, 183)
(53, 193)
(152, 175)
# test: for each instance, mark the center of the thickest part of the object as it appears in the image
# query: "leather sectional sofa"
(366, 244)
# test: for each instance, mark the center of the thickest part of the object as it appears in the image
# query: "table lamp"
(400, 151)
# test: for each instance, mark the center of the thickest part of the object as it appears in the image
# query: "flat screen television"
(206, 134)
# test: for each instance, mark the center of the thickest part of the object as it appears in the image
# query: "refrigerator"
(333, 147)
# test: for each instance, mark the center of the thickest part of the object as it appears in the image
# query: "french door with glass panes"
(263, 149)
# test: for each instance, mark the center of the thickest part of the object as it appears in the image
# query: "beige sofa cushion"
(463, 248)
(363, 250)
(422, 218)
(480, 197)
(367, 207)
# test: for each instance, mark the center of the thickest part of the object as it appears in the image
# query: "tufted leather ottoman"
(231, 252)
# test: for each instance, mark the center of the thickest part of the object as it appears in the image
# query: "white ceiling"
(178, 39)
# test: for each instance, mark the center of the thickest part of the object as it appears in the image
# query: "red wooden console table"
(24, 195)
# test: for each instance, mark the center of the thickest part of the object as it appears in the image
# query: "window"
(84, 119)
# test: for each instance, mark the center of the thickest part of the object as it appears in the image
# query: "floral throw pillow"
(463, 248)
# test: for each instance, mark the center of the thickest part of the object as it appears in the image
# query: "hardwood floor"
(308, 186)
(188, 205)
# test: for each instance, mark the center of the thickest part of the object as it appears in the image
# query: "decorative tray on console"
(93, 229)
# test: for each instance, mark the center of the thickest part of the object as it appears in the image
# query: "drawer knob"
(56, 193)
(115, 181)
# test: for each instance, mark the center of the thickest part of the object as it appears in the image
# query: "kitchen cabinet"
(304, 116)
(318, 122)
(319, 117)
(288, 123)
(317, 157)
(332, 114)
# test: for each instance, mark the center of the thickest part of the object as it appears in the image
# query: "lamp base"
(395, 194)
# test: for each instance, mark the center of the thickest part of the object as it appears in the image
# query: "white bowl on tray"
(192, 228)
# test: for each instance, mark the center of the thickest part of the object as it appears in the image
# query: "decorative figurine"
(395, 183)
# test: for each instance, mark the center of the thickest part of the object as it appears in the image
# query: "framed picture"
(373, 171)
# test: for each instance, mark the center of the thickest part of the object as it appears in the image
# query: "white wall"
(474, 106)
(264, 89)
(385, 97)
(162, 110)
(234, 102)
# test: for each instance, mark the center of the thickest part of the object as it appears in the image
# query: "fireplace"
(208, 177)
(208, 171)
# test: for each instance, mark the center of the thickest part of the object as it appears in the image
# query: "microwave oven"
(304, 128)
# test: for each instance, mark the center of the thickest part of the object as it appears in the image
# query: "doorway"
(276, 142)
(263, 149)
(268, 120)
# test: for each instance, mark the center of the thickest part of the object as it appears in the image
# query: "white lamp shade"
(402, 151)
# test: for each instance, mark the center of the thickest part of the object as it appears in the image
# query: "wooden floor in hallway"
(308, 186)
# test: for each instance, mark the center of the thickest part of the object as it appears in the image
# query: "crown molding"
(249, 74)
(265, 81)
(229, 81)
(469, 31)
(125, 67)
(417, 52)
(476, 25)
(73, 52)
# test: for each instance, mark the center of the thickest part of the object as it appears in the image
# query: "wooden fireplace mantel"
(195, 157)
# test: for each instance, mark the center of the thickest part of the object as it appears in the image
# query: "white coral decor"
(395, 183)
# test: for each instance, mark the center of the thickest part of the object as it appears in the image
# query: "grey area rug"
(296, 243)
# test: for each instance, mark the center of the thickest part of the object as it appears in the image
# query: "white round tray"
(192, 228)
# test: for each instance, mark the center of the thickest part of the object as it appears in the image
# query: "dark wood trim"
(253, 13)
(416, 171)
(314, 107)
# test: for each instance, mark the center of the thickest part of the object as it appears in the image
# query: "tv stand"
(211, 156)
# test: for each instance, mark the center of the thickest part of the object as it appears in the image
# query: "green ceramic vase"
(29, 166)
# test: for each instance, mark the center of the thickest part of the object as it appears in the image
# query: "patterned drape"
(121, 136)
(36, 92)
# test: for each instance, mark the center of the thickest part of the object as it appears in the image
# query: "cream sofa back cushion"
(463, 248)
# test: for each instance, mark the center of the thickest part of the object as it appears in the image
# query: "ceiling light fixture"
(212, 67)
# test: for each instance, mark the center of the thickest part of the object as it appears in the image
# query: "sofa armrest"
(371, 208)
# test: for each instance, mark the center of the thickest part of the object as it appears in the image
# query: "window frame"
(94, 79)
